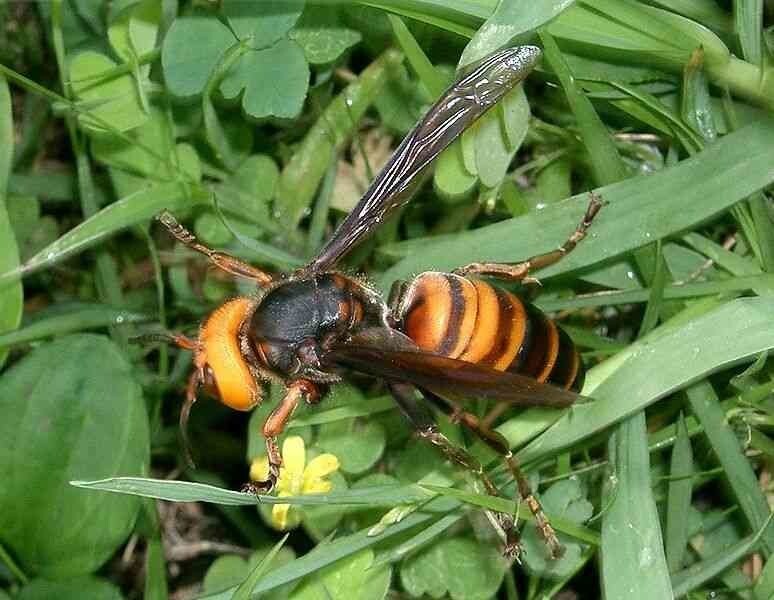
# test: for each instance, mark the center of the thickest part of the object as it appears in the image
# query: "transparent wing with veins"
(463, 103)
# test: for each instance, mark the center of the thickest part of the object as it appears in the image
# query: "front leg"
(298, 390)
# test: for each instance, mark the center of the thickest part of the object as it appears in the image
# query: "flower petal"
(317, 486)
(259, 469)
(320, 466)
(294, 455)
(279, 515)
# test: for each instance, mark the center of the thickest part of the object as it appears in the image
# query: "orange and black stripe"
(471, 320)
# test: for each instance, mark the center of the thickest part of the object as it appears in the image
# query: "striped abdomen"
(471, 320)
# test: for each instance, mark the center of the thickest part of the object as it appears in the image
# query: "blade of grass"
(741, 478)
(736, 331)
(350, 411)
(656, 296)
(338, 549)
(632, 553)
(418, 60)
(510, 21)
(606, 164)
(131, 210)
(640, 211)
(11, 294)
(81, 319)
(730, 261)
(679, 498)
(748, 23)
(672, 292)
(506, 506)
(243, 592)
(462, 17)
(302, 175)
(184, 491)
(107, 283)
(694, 576)
(706, 12)
(418, 541)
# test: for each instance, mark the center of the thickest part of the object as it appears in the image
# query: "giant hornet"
(443, 337)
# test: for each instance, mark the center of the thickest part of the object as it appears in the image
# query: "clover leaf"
(459, 567)
(274, 81)
(566, 499)
(263, 27)
(268, 70)
(322, 36)
(352, 577)
(106, 100)
(192, 48)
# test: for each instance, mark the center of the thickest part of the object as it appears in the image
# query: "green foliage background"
(258, 124)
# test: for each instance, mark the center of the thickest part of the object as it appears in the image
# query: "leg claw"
(258, 488)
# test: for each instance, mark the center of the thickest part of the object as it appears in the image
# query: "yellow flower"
(296, 478)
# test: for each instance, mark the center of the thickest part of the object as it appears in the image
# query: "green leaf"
(345, 579)
(77, 588)
(640, 210)
(764, 587)
(183, 491)
(694, 576)
(322, 35)
(565, 498)
(261, 25)
(498, 135)
(11, 292)
(733, 333)
(726, 447)
(135, 31)
(192, 48)
(634, 565)
(85, 418)
(459, 567)
(180, 161)
(79, 319)
(357, 444)
(679, 498)
(607, 166)
(257, 177)
(510, 19)
(115, 100)
(274, 80)
(748, 21)
(243, 590)
(230, 570)
(302, 175)
(224, 572)
(134, 209)
(452, 180)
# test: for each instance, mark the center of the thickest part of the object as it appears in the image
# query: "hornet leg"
(500, 445)
(223, 261)
(298, 390)
(422, 420)
(520, 271)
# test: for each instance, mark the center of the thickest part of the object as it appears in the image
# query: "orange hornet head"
(221, 366)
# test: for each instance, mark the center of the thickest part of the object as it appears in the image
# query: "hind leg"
(520, 271)
(500, 445)
(421, 418)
